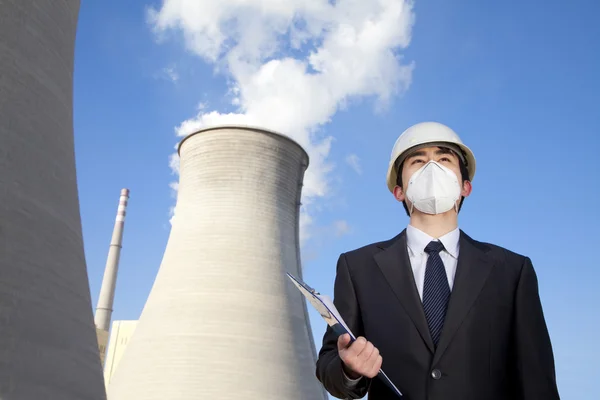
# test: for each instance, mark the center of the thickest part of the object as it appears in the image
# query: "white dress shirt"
(416, 241)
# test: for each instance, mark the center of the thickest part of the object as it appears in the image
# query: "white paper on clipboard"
(322, 303)
(325, 307)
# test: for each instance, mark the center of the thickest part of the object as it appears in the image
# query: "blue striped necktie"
(436, 291)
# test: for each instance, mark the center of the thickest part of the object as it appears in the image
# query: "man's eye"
(445, 159)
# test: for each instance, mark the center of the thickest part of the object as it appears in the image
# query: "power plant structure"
(48, 344)
(120, 334)
(104, 307)
(222, 321)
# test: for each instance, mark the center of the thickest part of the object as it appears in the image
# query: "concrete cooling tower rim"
(245, 128)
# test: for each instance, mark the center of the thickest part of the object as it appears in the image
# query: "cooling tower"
(48, 347)
(221, 321)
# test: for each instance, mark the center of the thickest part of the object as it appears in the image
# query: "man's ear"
(399, 194)
(467, 188)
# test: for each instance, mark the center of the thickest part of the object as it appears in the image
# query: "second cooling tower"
(221, 321)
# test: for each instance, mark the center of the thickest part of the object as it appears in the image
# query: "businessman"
(445, 316)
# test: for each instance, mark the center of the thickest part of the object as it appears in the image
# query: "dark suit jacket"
(494, 344)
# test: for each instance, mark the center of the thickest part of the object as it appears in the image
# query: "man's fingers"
(374, 370)
(358, 345)
(349, 354)
(355, 348)
(366, 351)
(373, 364)
(343, 341)
(361, 357)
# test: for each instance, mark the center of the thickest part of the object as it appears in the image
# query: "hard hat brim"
(392, 173)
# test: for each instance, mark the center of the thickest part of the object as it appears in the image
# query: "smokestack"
(48, 348)
(104, 308)
(221, 316)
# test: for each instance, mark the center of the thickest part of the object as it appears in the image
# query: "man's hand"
(361, 358)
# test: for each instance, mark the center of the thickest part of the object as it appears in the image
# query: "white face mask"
(433, 189)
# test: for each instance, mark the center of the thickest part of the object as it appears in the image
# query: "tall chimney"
(104, 308)
(48, 348)
(221, 320)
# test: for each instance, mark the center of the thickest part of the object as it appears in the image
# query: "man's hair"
(464, 172)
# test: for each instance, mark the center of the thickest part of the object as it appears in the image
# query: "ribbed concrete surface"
(48, 345)
(221, 321)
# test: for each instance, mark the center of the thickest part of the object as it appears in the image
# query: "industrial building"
(48, 344)
(120, 334)
(222, 320)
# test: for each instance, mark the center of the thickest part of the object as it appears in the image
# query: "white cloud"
(174, 162)
(174, 187)
(171, 73)
(342, 228)
(305, 222)
(293, 64)
(354, 162)
(168, 73)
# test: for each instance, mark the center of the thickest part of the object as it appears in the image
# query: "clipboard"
(328, 311)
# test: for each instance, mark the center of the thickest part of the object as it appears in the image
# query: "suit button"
(436, 374)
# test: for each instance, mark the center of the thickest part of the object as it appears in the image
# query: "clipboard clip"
(303, 284)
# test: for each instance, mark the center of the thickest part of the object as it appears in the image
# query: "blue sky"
(518, 81)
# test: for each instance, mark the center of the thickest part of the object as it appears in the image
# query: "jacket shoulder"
(499, 254)
(368, 251)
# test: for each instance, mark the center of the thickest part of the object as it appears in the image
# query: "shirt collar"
(417, 240)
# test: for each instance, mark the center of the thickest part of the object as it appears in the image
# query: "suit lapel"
(472, 271)
(395, 266)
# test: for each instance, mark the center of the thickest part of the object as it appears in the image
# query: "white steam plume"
(293, 64)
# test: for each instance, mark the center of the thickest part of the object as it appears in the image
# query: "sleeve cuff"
(350, 383)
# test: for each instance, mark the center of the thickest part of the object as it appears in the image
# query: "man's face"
(420, 157)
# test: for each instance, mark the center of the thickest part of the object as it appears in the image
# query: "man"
(446, 317)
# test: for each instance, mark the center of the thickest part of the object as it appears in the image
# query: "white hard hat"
(422, 135)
